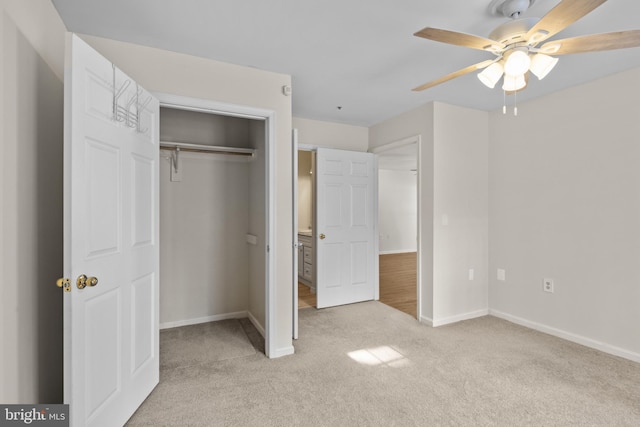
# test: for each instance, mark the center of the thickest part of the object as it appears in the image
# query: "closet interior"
(213, 218)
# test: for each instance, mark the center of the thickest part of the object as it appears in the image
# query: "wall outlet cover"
(547, 285)
(502, 275)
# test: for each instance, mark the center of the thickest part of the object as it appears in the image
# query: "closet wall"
(208, 271)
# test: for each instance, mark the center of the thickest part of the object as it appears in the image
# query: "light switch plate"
(502, 275)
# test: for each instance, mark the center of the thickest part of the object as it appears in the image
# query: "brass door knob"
(81, 282)
(322, 236)
(84, 281)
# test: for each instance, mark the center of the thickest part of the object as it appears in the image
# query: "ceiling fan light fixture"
(491, 75)
(513, 83)
(517, 63)
(542, 64)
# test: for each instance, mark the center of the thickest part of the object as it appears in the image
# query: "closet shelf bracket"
(175, 159)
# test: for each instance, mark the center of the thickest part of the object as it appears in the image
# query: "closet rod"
(197, 148)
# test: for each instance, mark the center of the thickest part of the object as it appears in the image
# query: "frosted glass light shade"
(513, 83)
(517, 63)
(542, 64)
(491, 75)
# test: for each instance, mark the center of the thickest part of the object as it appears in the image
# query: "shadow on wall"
(40, 106)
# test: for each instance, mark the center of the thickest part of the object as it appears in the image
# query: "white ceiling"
(357, 54)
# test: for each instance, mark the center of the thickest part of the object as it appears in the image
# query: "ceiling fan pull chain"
(504, 102)
(515, 104)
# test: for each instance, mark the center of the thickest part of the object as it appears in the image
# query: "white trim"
(579, 339)
(269, 116)
(211, 107)
(307, 147)
(426, 320)
(376, 232)
(415, 139)
(206, 319)
(270, 315)
(284, 351)
(399, 251)
(294, 231)
(459, 317)
(255, 323)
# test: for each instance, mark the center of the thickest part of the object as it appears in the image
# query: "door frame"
(294, 223)
(415, 139)
(269, 117)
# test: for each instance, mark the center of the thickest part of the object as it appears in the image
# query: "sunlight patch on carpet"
(380, 356)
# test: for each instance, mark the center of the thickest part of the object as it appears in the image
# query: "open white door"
(294, 142)
(111, 206)
(347, 267)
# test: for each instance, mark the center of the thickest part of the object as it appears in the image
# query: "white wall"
(460, 213)
(397, 211)
(453, 185)
(31, 140)
(204, 219)
(417, 122)
(331, 135)
(565, 204)
(189, 76)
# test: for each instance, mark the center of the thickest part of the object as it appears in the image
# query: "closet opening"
(215, 228)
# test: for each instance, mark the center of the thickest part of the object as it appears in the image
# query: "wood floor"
(397, 284)
(398, 277)
(305, 297)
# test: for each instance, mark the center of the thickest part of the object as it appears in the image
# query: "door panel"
(345, 229)
(111, 232)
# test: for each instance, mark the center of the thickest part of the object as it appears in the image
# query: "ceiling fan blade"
(593, 43)
(452, 76)
(560, 17)
(459, 39)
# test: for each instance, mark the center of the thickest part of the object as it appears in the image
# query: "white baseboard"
(280, 352)
(588, 342)
(196, 321)
(399, 251)
(459, 317)
(257, 324)
(426, 320)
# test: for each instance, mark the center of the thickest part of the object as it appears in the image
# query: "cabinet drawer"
(308, 271)
(308, 254)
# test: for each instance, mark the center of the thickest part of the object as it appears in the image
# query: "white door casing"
(294, 182)
(111, 360)
(346, 227)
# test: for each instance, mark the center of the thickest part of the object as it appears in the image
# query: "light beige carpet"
(206, 342)
(370, 365)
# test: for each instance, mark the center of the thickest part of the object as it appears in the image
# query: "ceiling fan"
(515, 43)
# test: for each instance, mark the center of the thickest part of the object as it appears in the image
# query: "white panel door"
(111, 233)
(346, 227)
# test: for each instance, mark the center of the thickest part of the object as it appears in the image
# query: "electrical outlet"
(547, 285)
(502, 275)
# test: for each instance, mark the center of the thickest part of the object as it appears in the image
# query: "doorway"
(228, 210)
(398, 183)
(341, 243)
(306, 225)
